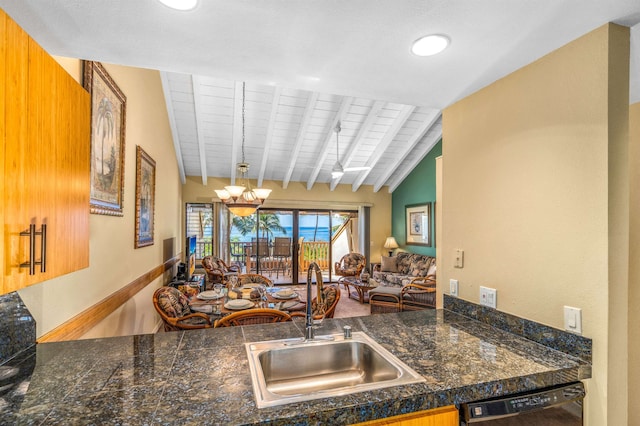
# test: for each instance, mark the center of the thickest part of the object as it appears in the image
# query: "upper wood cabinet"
(45, 127)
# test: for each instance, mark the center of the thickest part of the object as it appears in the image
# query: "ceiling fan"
(338, 170)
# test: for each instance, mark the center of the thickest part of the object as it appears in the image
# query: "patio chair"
(253, 316)
(282, 254)
(258, 250)
(173, 307)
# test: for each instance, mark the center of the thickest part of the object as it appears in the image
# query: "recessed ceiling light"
(430, 45)
(180, 4)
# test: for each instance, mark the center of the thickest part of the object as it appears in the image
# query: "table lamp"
(390, 244)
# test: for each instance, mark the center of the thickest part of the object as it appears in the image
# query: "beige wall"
(113, 260)
(534, 184)
(634, 265)
(319, 197)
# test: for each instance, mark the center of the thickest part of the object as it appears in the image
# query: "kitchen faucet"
(320, 302)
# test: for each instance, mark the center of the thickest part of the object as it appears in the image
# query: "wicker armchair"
(331, 297)
(420, 293)
(217, 271)
(254, 278)
(173, 307)
(351, 265)
(253, 316)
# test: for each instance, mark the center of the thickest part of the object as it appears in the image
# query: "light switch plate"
(573, 319)
(488, 297)
(453, 287)
(458, 258)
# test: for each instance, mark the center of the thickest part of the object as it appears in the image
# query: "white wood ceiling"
(290, 134)
(310, 63)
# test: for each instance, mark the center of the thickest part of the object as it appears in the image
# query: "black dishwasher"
(557, 405)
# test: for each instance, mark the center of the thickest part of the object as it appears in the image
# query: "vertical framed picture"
(418, 224)
(108, 117)
(145, 198)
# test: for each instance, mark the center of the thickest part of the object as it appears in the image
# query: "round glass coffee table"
(361, 287)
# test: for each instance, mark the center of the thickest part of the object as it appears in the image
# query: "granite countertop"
(202, 376)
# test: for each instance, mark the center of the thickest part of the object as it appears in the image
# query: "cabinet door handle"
(31, 263)
(43, 248)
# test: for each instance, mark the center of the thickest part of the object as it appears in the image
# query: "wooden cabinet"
(45, 128)
(444, 416)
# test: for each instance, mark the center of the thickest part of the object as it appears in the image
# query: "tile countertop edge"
(143, 376)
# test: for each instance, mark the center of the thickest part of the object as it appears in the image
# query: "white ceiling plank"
(397, 180)
(324, 150)
(166, 88)
(306, 119)
(197, 99)
(237, 130)
(407, 148)
(269, 138)
(353, 148)
(404, 115)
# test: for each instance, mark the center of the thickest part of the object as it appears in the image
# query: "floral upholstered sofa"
(401, 269)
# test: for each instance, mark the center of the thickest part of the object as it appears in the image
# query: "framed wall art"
(108, 117)
(145, 198)
(418, 223)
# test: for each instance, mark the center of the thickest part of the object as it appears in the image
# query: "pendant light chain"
(241, 199)
(243, 96)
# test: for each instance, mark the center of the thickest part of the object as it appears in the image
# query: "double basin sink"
(286, 371)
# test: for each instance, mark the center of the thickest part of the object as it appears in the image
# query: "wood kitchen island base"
(445, 416)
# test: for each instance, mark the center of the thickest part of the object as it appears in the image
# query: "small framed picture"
(145, 198)
(418, 222)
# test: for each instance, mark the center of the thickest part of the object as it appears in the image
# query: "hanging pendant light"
(242, 200)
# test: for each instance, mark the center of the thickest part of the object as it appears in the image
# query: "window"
(199, 222)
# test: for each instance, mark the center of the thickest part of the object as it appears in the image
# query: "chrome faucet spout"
(313, 267)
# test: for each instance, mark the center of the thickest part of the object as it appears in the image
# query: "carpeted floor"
(346, 307)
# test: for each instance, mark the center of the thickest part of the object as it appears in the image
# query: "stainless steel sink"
(284, 371)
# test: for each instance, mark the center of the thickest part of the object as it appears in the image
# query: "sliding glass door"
(281, 244)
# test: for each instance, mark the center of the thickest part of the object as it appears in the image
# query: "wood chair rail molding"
(89, 318)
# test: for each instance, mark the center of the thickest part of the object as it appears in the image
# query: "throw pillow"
(389, 264)
(432, 270)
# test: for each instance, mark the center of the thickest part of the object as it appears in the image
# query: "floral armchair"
(351, 265)
(217, 271)
(331, 295)
(245, 279)
(173, 307)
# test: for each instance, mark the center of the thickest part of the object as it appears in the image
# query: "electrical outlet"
(453, 287)
(488, 297)
(573, 319)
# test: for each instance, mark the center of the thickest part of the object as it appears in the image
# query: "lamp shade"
(235, 190)
(262, 193)
(391, 243)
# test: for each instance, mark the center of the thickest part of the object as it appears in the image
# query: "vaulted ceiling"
(310, 64)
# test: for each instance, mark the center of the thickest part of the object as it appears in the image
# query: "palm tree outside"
(268, 224)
